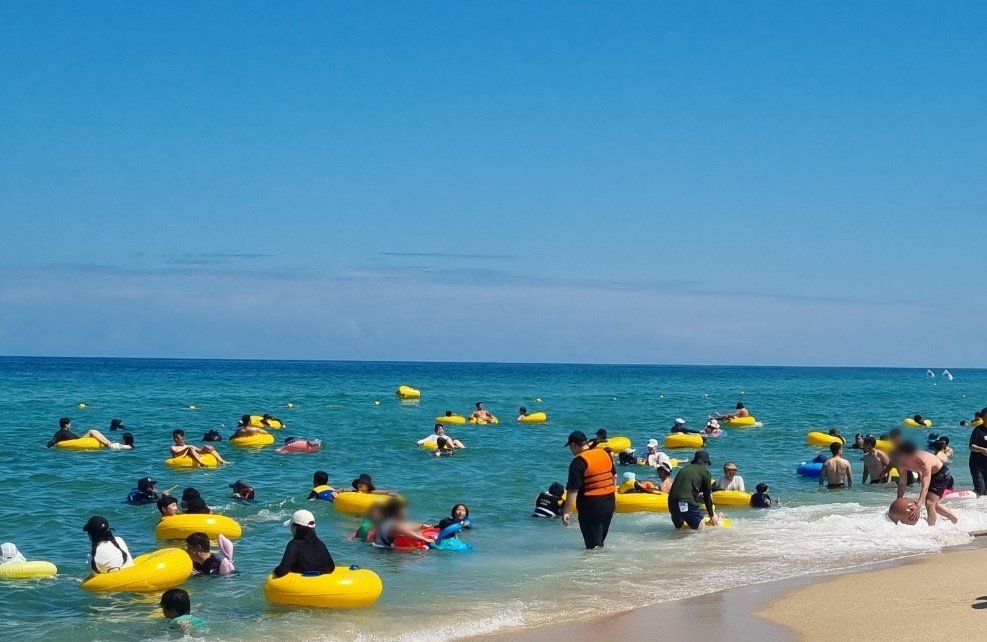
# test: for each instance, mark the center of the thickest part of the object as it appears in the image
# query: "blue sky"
(721, 182)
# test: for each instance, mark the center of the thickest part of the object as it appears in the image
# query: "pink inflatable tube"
(301, 446)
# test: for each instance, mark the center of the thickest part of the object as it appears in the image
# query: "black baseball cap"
(238, 484)
(96, 524)
(701, 457)
(576, 437)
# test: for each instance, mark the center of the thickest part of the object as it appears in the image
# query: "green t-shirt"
(188, 622)
(689, 485)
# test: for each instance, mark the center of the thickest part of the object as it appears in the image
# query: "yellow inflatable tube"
(446, 420)
(683, 440)
(257, 421)
(344, 588)
(158, 571)
(533, 418)
(816, 438)
(354, 503)
(27, 570)
(911, 423)
(82, 443)
(641, 503)
(616, 444)
(976, 423)
(885, 446)
(731, 498)
(724, 523)
(407, 392)
(181, 526)
(253, 441)
(208, 460)
(740, 422)
(484, 422)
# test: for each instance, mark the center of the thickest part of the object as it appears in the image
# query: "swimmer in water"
(460, 514)
(836, 472)
(182, 449)
(481, 413)
(904, 511)
(108, 553)
(177, 607)
(365, 484)
(145, 493)
(319, 479)
(761, 499)
(203, 561)
(65, 433)
(741, 411)
(549, 504)
(858, 442)
(875, 462)
(439, 432)
(167, 506)
(443, 447)
(394, 522)
(934, 476)
(664, 472)
(679, 427)
(242, 490)
(244, 429)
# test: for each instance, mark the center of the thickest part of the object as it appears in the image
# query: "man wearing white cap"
(654, 457)
(305, 552)
(679, 426)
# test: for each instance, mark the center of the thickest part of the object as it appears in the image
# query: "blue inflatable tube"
(811, 468)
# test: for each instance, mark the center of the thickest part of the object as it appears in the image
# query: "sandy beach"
(889, 599)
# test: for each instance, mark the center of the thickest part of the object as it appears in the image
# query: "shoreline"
(786, 610)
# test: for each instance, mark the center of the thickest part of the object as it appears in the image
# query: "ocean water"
(523, 571)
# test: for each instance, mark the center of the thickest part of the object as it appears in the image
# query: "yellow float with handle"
(27, 570)
(708, 523)
(911, 423)
(407, 392)
(353, 503)
(151, 573)
(683, 440)
(616, 444)
(741, 422)
(82, 443)
(885, 446)
(208, 461)
(731, 498)
(181, 526)
(253, 441)
(821, 439)
(484, 422)
(257, 421)
(446, 420)
(533, 418)
(642, 503)
(344, 588)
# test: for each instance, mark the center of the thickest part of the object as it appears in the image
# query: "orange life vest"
(598, 478)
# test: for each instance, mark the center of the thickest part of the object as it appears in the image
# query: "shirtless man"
(875, 462)
(181, 449)
(836, 472)
(246, 430)
(741, 411)
(481, 413)
(934, 477)
(65, 434)
(439, 432)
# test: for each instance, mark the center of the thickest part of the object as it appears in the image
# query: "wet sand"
(891, 600)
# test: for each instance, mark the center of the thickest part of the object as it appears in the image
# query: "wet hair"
(128, 439)
(939, 446)
(63, 422)
(452, 513)
(443, 444)
(177, 601)
(437, 428)
(858, 436)
(918, 419)
(944, 439)
(448, 413)
(907, 448)
(835, 448)
(523, 410)
(177, 432)
(478, 404)
(870, 441)
(556, 489)
(761, 488)
(740, 405)
(245, 420)
(884, 436)
(392, 508)
(189, 493)
(320, 478)
(199, 541)
(894, 432)
(196, 506)
(164, 501)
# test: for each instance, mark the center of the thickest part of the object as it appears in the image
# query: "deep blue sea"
(522, 571)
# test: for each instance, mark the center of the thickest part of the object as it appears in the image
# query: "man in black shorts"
(934, 475)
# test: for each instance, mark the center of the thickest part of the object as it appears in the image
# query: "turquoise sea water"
(522, 571)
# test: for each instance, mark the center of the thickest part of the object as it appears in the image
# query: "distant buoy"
(191, 406)
(538, 399)
(82, 404)
(615, 399)
(661, 396)
(377, 403)
(291, 405)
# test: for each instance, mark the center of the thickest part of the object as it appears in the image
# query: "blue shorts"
(693, 517)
